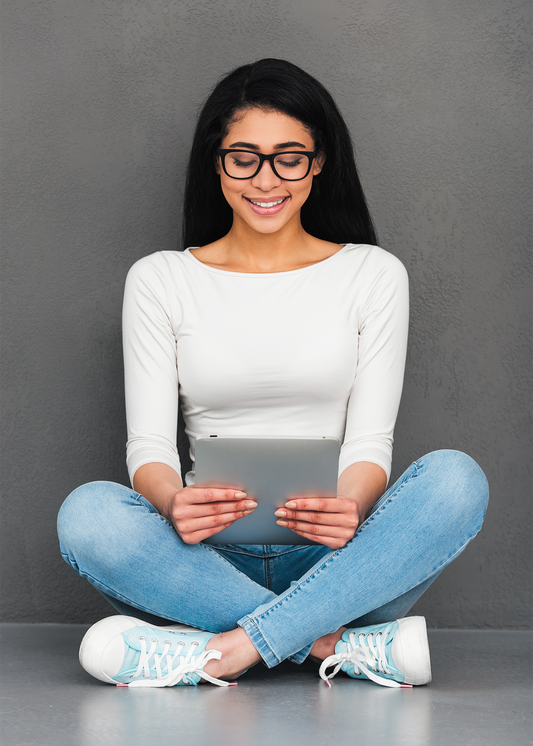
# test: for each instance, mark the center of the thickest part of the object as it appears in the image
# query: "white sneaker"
(394, 654)
(125, 651)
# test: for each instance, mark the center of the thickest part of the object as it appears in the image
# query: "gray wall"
(99, 104)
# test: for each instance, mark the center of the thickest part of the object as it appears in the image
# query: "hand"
(328, 521)
(198, 513)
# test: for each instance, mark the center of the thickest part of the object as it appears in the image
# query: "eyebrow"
(279, 146)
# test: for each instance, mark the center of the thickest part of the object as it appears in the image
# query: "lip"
(266, 210)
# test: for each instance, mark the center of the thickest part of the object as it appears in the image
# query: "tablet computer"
(270, 471)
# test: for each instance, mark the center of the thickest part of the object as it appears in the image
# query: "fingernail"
(240, 495)
(282, 523)
(281, 513)
(251, 505)
(247, 512)
(290, 505)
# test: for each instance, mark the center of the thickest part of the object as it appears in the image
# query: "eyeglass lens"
(242, 165)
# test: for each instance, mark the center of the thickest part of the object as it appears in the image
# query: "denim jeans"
(284, 597)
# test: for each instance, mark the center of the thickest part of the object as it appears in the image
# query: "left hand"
(329, 521)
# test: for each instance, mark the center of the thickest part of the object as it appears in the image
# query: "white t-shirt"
(317, 351)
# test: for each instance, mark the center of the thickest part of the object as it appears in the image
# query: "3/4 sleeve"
(377, 387)
(150, 367)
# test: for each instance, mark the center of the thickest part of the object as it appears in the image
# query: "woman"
(286, 320)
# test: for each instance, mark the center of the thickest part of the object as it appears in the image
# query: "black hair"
(336, 208)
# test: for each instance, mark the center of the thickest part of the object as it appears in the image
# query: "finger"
(325, 519)
(206, 509)
(196, 537)
(208, 522)
(322, 504)
(316, 529)
(213, 494)
(327, 541)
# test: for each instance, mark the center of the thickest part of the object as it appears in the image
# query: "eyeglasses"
(245, 164)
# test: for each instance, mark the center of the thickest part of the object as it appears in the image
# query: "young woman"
(286, 319)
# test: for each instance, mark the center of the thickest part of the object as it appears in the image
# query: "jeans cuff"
(301, 655)
(249, 625)
(258, 641)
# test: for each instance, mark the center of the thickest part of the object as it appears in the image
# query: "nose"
(266, 179)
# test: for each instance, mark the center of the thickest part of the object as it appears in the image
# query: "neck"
(267, 252)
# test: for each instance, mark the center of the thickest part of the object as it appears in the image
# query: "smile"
(266, 204)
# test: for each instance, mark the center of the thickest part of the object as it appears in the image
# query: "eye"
(243, 160)
(289, 161)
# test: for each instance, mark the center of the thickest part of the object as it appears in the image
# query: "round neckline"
(207, 267)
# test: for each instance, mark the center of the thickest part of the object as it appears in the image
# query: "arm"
(372, 409)
(150, 318)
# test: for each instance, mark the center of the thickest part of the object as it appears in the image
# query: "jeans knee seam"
(147, 505)
(388, 500)
(70, 562)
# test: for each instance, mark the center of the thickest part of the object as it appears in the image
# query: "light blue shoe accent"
(127, 652)
(394, 654)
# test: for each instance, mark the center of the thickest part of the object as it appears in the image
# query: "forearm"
(158, 483)
(364, 483)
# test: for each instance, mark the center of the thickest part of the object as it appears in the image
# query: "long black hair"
(336, 208)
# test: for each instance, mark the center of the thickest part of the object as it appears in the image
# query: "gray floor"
(480, 695)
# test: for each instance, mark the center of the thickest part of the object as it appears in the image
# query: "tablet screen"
(270, 471)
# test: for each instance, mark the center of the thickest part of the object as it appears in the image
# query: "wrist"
(364, 503)
(158, 483)
(163, 502)
(363, 482)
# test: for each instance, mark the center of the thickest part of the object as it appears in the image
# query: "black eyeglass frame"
(270, 158)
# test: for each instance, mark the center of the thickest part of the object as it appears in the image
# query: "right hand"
(197, 513)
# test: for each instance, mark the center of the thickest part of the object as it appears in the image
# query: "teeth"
(267, 204)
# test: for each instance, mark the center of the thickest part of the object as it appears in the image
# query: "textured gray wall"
(99, 104)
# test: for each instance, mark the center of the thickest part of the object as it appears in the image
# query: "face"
(267, 203)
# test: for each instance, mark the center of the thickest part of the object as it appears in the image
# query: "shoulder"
(157, 271)
(151, 282)
(373, 256)
(158, 264)
(374, 261)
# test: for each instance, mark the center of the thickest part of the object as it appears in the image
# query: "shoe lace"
(186, 664)
(367, 653)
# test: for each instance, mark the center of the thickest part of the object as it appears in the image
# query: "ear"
(319, 163)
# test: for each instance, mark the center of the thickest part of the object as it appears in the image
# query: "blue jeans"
(284, 597)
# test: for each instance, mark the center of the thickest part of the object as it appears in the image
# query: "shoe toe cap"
(410, 651)
(103, 648)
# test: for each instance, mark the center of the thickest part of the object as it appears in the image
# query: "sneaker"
(395, 654)
(125, 651)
